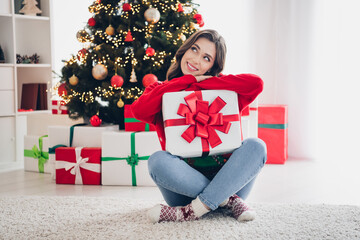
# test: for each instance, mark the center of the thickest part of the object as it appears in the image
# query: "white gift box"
(83, 136)
(31, 163)
(116, 150)
(176, 122)
(249, 123)
(37, 124)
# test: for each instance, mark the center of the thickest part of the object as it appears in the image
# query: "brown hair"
(220, 46)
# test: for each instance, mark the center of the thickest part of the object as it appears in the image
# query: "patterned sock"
(192, 211)
(239, 209)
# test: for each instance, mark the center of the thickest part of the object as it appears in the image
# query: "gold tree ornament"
(99, 72)
(152, 15)
(183, 37)
(73, 80)
(133, 76)
(110, 30)
(82, 36)
(120, 103)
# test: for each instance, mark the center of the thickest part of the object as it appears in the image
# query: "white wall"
(68, 18)
(271, 39)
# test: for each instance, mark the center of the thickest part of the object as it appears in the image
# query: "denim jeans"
(179, 183)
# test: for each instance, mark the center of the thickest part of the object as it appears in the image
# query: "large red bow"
(203, 120)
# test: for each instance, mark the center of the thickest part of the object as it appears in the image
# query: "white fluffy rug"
(37, 217)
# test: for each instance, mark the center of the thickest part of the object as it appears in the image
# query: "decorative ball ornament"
(183, 37)
(95, 121)
(150, 51)
(149, 79)
(199, 20)
(152, 15)
(73, 80)
(117, 81)
(62, 90)
(91, 22)
(99, 72)
(126, 7)
(110, 30)
(82, 36)
(120, 103)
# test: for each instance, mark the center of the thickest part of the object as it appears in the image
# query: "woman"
(190, 191)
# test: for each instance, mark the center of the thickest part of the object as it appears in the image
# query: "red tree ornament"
(91, 22)
(95, 121)
(62, 89)
(180, 8)
(117, 81)
(126, 7)
(199, 19)
(149, 79)
(150, 51)
(129, 37)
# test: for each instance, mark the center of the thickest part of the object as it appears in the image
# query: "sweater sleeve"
(247, 86)
(149, 103)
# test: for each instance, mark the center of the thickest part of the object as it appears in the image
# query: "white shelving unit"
(24, 35)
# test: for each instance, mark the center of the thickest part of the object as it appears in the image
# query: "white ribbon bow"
(75, 167)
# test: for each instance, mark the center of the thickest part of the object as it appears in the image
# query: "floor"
(298, 181)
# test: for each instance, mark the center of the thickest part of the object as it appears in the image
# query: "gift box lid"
(273, 114)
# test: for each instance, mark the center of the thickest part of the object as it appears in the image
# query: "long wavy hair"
(220, 46)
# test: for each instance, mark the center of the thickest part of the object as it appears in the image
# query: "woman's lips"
(191, 67)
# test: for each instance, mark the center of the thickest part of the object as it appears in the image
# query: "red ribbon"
(203, 120)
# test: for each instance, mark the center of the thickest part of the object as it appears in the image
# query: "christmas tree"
(127, 46)
(30, 8)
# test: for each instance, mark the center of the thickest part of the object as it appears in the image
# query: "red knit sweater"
(149, 105)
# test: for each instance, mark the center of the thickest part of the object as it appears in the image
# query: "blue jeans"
(179, 183)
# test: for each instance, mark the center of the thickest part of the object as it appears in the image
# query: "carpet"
(59, 217)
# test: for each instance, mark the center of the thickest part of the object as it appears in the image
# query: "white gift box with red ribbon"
(58, 107)
(201, 123)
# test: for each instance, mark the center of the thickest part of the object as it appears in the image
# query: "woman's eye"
(194, 49)
(207, 59)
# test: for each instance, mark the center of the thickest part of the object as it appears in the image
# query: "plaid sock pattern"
(177, 214)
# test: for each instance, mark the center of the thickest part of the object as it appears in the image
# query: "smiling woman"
(199, 62)
(202, 54)
(199, 59)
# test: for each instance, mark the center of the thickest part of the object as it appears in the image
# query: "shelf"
(38, 65)
(27, 17)
(5, 15)
(6, 64)
(33, 112)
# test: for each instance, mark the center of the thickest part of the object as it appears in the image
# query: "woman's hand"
(202, 77)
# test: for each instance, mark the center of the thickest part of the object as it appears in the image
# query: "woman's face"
(199, 58)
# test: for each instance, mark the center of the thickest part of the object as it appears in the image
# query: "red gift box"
(273, 130)
(58, 107)
(134, 125)
(78, 165)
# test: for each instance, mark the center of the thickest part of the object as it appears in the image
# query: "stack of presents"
(203, 123)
